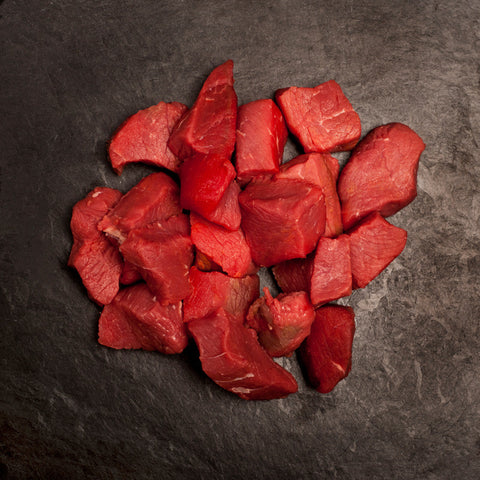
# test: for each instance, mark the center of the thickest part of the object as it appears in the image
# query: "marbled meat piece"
(143, 137)
(381, 174)
(162, 252)
(154, 198)
(327, 352)
(135, 319)
(321, 118)
(232, 357)
(282, 323)
(261, 138)
(374, 244)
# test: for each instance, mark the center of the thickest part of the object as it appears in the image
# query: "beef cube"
(321, 118)
(327, 351)
(381, 174)
(129, 274)
(143, 137)
(232, 357)
(294, 275)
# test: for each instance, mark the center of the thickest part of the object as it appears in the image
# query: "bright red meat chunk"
(321, 118)
(282, 323)
(381, 174)
(327, 351)
(136, 320)
(143, 137)
(227, 213)
(281, 219)
(232, 357)
(261, 138)
(374, 244)
(129, 274)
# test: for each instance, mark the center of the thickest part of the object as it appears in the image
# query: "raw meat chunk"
(208, 128)
(281, 219)
(162, 252)
(294, 275)
(227, 213)
(129, 274)
(381, 174)
(154, 198)
(327, 351)
(95, 258)
(136, 320)
(321, 118)
(204, 263)
(374, 244)
(214, 290)
(143, 137)
(261, 138)
(282, 323)
(232, 357)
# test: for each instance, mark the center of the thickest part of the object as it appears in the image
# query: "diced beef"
(232, 357)
(95, 258)
(162, 252)
(381, 174)
(143, 137)
(205, 263)
(374, 244)
(327, 351)
(283, 322)
(294, 275)
(321, 118)
(209, 126)
(154, 198)
(321, 170)
(129, 274)
(214, 290)
(281, 219)
(136, 320)
(227, 212)
(261, 138)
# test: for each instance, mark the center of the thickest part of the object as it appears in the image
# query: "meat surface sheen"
(321, 118)
(143, 137)
(381, 174)
(232, 357)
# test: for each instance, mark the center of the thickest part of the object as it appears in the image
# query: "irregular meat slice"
(282, 219)
(143, 137)
(327, 351)
(322, 118)
(162, 252)
(209, 126)
(214, 290)
(381, 174)
(136, 320)
(232, 357)
(294, 275)
(261, 138)
(374, 244)
(282, 323)
(95, 258)
(154, 198)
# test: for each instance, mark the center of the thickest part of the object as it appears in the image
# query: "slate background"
(72, 71)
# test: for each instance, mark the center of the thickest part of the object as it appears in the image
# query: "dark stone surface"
(72, 71)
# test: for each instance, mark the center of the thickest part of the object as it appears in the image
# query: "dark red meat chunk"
(327, 351)
(129, 274)
(232, 357)
(381, 175)
(294, 275)
(321, 118)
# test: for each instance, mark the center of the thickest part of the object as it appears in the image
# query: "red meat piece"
(294, 275)
(282, 323)
(381, 174)
(374, 244)
(154, 198)
(204, 263)
(322, 118)
(214, 290)
(281, 219)
(327, 351)
(209, 126)
(162, 252)
(232, 357)
(226, 248)
(227, 213)
(143, 137)
(129, 274)
(261, 138)
(320, 169)
(95, 258)
(136, 320)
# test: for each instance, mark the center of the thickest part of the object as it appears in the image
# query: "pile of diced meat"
(176, 257)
